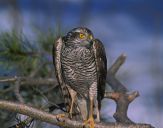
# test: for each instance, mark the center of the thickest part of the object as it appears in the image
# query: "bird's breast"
(79, 64)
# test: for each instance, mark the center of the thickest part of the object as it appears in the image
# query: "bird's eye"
(81, 35)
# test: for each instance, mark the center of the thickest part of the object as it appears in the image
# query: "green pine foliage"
(26, 57)
(23, 55)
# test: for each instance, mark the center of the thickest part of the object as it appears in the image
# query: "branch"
(119, 95)
(57, 120)
(17, 91)
(116, 85)
(29, 120)
(115, 67)
(37, 114)
(122, 100)
(30, 81)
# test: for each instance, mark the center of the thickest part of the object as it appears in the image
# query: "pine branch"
(120, 95)
(57, 120)
(18, 53)
(17, 91)
(29, 81)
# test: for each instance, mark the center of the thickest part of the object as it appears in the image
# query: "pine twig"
(17, 91)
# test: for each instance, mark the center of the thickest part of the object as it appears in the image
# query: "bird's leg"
(91, 108)
(92, 96)
(97, 107)
(90, 120)
(82, 103)
(73, 97)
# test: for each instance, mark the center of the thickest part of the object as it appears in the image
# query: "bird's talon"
(90, 122)
(60, 115)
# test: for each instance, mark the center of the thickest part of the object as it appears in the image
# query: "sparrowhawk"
(81, 66)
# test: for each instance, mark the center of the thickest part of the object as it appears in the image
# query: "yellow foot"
(60, 115)
(90, 122)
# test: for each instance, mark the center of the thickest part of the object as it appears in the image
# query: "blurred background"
(133, 27)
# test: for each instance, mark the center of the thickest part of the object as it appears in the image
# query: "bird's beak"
(91, 37)
(88, 43)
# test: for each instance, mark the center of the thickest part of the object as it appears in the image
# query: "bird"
(81, 67)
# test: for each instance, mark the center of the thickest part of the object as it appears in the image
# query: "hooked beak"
(88, 43)
(91, 39)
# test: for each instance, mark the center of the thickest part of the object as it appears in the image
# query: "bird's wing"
(57, 49)
(101, 65)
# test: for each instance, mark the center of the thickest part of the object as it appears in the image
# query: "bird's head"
(80, 36)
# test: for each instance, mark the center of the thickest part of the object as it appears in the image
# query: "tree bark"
(57, 120)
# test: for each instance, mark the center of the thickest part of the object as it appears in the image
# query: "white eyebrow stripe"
(78, 31)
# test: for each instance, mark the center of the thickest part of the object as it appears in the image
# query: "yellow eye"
(81, 35)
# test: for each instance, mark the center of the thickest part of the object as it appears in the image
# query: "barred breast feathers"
(79, 68)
